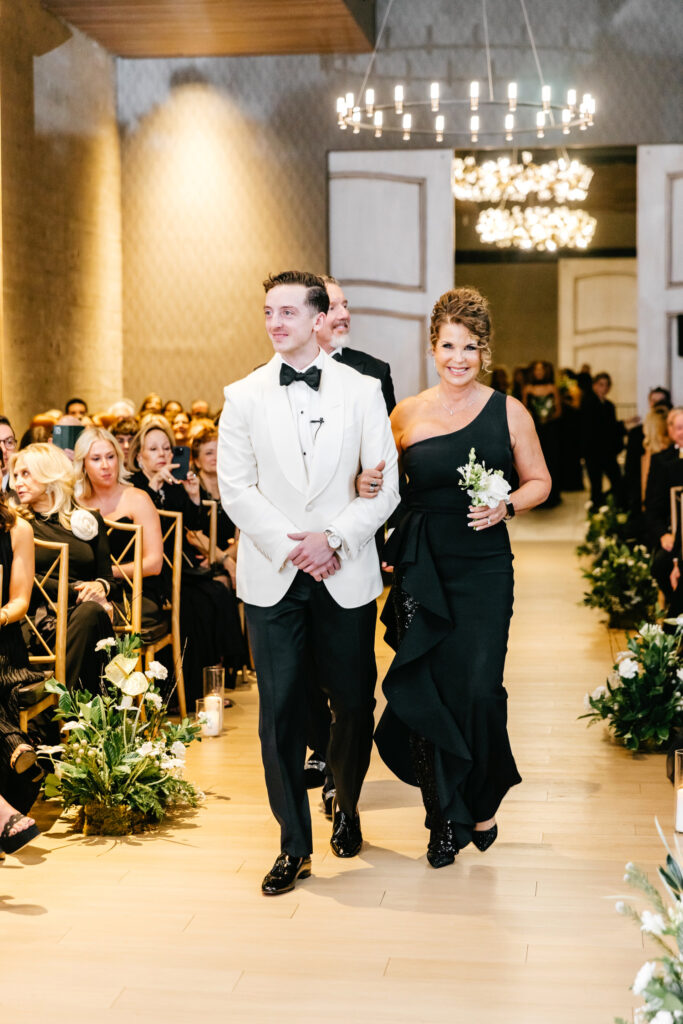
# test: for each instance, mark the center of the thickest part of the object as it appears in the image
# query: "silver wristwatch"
(333, 539)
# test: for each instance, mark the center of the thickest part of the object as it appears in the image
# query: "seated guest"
(77, 407)
(199, 409)
(120, 410)
(204, 458)
(180, 427)
(602, 438)
(209, 621)
(635, 473)
(666, 471)
(37, 433)
(43, 479)
(102, 484)
(124, 430)
(171, 409)
(655, 439)
(20, 774)
(8, 444)
(151, 403)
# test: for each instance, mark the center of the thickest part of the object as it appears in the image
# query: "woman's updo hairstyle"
(468, 307)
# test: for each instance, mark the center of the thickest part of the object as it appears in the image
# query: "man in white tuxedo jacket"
(293, 436)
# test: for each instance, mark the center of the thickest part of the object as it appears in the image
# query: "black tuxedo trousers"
(308, 624)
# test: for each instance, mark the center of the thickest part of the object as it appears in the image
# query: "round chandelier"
(442, 116)
(506, 180)
(544, 228)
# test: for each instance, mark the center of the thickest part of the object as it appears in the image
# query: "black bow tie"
(311, 376)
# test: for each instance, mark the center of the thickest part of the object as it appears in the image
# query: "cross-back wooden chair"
(212, 505)
(128, 613)
(51, 656)
(675, 495)
(172, 532)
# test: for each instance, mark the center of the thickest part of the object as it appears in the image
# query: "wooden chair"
(675, 494)
(172, 531)
(212, 506)
(54, 657)
(128, 614)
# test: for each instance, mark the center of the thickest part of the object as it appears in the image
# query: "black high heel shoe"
(485, 838)
(442, 848)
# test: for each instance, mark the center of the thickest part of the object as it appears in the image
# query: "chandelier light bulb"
(571, 99)
(540, 124)
(544, 228)
(341, 112)
(512, 97)
(501, 181)
(474, 95)
(509, 126)
(369, 101)
(439, 125)
(379, 117)
(407, 124)
(356, 120)
(349, 101)
(474, 128)
(434, 96)
(398, 99)
(566, 119)
(545, 97)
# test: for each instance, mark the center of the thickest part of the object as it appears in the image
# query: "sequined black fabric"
(405, 608)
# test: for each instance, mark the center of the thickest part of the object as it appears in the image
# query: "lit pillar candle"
(213, 712)
(679, 810)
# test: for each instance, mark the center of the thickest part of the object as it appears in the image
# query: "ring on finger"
(489, 520)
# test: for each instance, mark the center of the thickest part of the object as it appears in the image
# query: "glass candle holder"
(209, 715)
(678, 790)
(214, 687)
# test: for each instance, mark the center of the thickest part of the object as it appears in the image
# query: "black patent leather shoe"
(442, 848)
(347, 838)
(284, 873)
(485, 838)
(315, 770)
(329, 793)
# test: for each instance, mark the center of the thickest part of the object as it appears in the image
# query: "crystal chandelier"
(440, 115)
(504, 180)
(544, 228)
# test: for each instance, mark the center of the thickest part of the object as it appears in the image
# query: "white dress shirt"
(305, 405)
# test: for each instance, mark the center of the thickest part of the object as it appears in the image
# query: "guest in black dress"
(20, 774)
(209, 621)
(43, 479)
(663, 529)
(448, 613)
(102, 484)
(635, 469)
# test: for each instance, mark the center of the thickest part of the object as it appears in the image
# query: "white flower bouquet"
(659, 982)
(484, 486)
(122, 768)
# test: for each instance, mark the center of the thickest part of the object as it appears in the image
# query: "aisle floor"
(172, 927)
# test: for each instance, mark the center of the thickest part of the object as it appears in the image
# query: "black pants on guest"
(307, 621)
(599, 465)
(86, 624)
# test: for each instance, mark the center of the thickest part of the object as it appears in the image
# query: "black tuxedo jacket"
(666, 471)
(371, 367)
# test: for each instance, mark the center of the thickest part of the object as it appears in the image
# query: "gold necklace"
(465, 404)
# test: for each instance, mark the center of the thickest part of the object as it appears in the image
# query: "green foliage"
(114, 756)
(605, 524)
(642, 701)
(621, 582)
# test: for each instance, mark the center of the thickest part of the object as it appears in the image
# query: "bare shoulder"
(518, 415)
(21, 532)
(135, 500)
(407, 409)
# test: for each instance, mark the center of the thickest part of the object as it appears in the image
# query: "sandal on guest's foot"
(10, 844)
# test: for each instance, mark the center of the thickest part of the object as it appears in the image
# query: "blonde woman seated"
(655, 439)
(102, 484)
(43, 480)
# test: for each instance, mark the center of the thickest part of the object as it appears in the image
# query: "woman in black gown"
(43, 479)
(447, 617)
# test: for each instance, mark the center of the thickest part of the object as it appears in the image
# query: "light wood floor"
(172, 927)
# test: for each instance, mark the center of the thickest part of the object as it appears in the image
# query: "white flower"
(621, 655)
(73, 724)
(118, 668)
(156, 670)
(644, 977)
(662, 1017)
(178, 750)
(145, 749)
(134, 684)
(83, 524)
(603, 510)
(600, 691)
(679, 675)
(153, 698)
(649, 630)
(126, 702)
(620, 907)
(173, 765)
(493, 490)
(587, 702)
(44, 749)
(104, 645)
(628, 668)
(652, 923)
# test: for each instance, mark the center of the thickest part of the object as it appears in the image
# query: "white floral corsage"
(484, 486)
(83, 524)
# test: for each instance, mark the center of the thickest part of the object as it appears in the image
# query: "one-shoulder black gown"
(447, 618)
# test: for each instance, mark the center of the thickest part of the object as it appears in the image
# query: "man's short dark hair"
(316, 293)
(602, 376)
(661, 391)
(6, 423)
(72, 401)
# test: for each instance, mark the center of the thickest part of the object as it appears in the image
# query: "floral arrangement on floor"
(605, 525)
(642, 701)
(659, 982)
(121, 763)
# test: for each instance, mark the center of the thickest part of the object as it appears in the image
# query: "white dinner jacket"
(265, 491)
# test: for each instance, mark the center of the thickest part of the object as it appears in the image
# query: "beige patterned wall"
(224, 161)
(61, 246)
